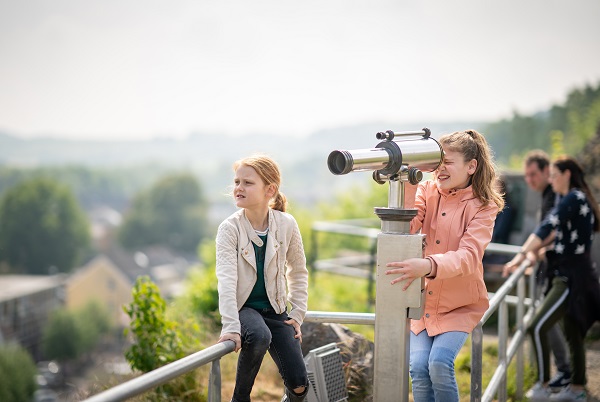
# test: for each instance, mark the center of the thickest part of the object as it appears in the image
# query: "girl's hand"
(409, 270)
(296, 326)
(232, 336)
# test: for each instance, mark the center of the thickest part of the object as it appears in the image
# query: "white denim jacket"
(286, 276)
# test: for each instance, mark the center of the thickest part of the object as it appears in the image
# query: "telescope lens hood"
(340, 162)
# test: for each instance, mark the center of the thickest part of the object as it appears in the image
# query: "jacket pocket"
(457, 293)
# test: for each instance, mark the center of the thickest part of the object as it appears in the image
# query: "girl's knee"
(297, 394)
(419, 364)
(260, 340)
(441, 371)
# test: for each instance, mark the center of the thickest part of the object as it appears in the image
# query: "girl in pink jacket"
(457, 211)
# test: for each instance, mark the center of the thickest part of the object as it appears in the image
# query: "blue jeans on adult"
(432, 365)
(264, 331)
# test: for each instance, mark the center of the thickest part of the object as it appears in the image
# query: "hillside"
(590, 161)
(303, 160)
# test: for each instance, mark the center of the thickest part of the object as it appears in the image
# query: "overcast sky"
(123, 69)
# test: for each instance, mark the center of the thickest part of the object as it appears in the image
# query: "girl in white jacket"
(261, 268)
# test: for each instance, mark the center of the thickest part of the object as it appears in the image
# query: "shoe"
(567, 394)
(560, 380)
(538, 393)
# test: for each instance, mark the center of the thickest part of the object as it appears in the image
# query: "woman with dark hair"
(574, 295)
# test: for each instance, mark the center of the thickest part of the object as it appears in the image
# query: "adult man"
(537, 177)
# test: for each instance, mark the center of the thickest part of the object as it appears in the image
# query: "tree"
(42, 226)
(62, 338)
(68, 335)
(17, 374)
(172, 213)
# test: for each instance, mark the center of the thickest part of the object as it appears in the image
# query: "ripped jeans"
(264, 331)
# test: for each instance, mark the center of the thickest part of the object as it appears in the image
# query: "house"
(26, 303)
(109, 278)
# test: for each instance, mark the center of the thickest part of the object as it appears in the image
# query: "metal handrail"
(498, 302)
(161, 375)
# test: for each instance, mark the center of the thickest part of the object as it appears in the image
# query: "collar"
(462, 193)
(252, 233)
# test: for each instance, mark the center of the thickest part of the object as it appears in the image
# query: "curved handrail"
(163, 374)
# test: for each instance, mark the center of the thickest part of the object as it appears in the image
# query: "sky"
(124, 69)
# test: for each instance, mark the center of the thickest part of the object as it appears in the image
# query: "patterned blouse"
(573, 220)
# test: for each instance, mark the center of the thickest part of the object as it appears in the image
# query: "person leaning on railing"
(574, 295)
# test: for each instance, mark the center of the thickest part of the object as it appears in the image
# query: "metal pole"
(393, 307)
(502, 347)
(214, 383)
(521, 327)
(476, 359)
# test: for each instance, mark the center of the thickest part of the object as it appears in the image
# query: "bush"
(17, 374)
(156, 342)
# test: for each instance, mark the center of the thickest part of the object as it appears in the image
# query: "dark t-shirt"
(548, 201)
(258, 298)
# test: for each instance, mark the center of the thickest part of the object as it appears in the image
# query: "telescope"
(400, 156)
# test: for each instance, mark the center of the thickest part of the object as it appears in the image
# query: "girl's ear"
(271, 190)
(472, 167)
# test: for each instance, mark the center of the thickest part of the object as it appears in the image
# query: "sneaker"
(560, 380)
(538, 393)
(567, 394)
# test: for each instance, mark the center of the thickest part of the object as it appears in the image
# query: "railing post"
(373, 267)
(313, 253)
(520, 327)
(214, 382)
(502, 347)
(476, 359)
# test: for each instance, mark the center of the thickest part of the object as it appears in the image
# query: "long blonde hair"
(269, 172)
(472, 145)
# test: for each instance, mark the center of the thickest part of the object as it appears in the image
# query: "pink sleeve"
(419, 204)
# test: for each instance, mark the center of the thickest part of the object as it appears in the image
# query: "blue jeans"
(432, 365)
(264, 331)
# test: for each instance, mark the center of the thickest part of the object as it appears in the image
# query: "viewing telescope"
(400, 156)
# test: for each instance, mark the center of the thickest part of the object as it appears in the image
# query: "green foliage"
(17, 374)
(68, 335)
(93, 321)
(91, 186)
(357, 203)
(563, 129)
(156, 341)
(42, 227)
(202, 289)
(62, 338)
(172, 212)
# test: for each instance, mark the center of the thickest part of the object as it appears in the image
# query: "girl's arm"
(227, 276)
(532, 244)
(297, 276)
